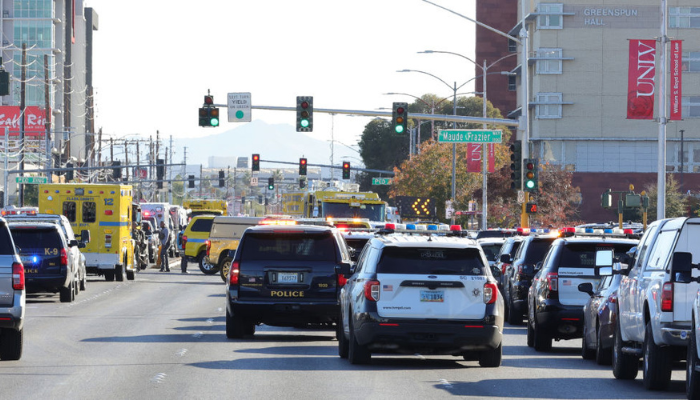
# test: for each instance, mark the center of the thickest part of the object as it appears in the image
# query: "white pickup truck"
(655, 302)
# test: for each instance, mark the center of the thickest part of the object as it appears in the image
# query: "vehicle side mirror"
(82, 245)
(85, 236)
(682, 267)
(344, 269)
(505, 258)
(72, 243)
(495, 271)
(586, 287)
(605, 271)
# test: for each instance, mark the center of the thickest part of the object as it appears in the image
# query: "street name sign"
(381, 181)
(239, 107)
(31, 179)
(469, 136)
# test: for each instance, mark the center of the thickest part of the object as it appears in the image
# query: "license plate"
(287, 277)
(432, 296)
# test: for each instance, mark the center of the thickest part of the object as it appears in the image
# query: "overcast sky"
(154, 60)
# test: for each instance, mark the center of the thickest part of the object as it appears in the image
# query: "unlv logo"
(640, 80)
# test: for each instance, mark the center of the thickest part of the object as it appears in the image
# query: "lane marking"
(420, 356)
(159, 378)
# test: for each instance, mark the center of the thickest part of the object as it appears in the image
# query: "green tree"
(676, 203)
(557, 199)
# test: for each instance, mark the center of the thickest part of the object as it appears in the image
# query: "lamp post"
(484, 153)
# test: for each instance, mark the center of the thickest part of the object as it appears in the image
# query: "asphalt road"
(162, 336)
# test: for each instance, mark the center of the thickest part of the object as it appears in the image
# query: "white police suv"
(421, 294)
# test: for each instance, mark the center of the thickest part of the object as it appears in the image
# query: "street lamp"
(484, 153)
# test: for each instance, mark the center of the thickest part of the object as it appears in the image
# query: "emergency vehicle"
(161, 213)
(201, 207)
(334, 204)
(105, 211)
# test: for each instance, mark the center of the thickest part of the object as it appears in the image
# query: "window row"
(549, 106)
(550, 16)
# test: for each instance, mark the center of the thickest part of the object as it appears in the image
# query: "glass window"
(5, 241)
(691, 61)
(69, 210)
(684, 17)
(690, 107)
(295, 246)
(549, 105)
(582, 255)
(89, 211)
(551, 63)
(550, 16)
(536, 250)
(512, 80)
(661, 252)
(200, 225)
(512, 46)
(409, 260)
(27, 239)
(491, 250)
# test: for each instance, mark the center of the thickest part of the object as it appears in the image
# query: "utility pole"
(170, 173)
(137, 175)
(111, 151)
(126, 161)
(200, 180)
(99, 151)
(47, 122)
(22, 95)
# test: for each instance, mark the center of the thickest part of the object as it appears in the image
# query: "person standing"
(164, 236)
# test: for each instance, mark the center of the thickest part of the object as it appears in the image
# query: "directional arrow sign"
(31, 179)
(469, 136)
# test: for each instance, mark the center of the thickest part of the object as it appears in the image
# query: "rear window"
(229, 230)
(582, 255)
(536, 250)
(202, 225)
(403, 260)
(28, 238)
(357, 244)
(5, 241)
(288, 247)
(491, 250)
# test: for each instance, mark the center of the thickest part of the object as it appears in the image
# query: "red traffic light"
(530, 165)
(302, 161)
(256, 157)
(304, 104)
(208, 100)
(400, 110)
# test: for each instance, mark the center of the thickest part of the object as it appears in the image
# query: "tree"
(557, 199)
(676, 203)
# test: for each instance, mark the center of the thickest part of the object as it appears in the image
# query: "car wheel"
(491, 358)
(224, 268)
(119, 272)
(130, 272)
(343, 344)
(109, 276)
(602, 356)
(656, 363)
(205, 265)
(83, 283)
(357, 354)
(67, 294)
(543, 342)
(234, 327)
(11, 344)
(76, 286)
(530, 334)
(249, 328)
(152, 255)
(514, 317)
(586, 352)
(624, 366)
(692, 376)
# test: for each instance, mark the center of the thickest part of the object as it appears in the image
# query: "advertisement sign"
(474, 157)
(640, 79)
(676, 79)
(34, 121)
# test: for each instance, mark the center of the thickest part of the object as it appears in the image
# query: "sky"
(155, 60)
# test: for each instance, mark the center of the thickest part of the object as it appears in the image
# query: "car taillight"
(553, 281)
(184, 241)
(503, 268)
(208, 243)
(64, 258)
(667, 297)
(234, 273)
(372, 290)
(490, 293)
(17, 276)
(342, 280)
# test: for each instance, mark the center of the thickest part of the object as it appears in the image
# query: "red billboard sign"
(640, 80)
(34, 120)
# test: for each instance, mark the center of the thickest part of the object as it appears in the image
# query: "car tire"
(530, 334)
(357, 354)
(491, 358)
(343, 344)
(83, 283)
(656, 363)
(224, 268)
(67, 294)
(130, 273)
(234, 327)
(586, 352)
(152, 255)
(76, 286)
(624, 366)
(602, 356)
(109, 276)
(205, 266)
(543, 342)
(692, 376)
(514, 318)
(11, 344)
(119, 272)
(249, 328)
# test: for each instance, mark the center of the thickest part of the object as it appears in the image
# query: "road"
(162, 336)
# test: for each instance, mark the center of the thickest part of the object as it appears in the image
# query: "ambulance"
(206, 206)
(105, 211)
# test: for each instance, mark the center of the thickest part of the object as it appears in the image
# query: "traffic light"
(399, 117)
(160, 172)
(4, 82)
(256, 162)
(531, 208)
(70, 172)
(116, 170)
(346, 169)
(190, 181)
(531, 166)
(516, 162)
(270, 183)
(222, 182)
(302, 166)
(302, 183)
(209, 115)
(305, 113)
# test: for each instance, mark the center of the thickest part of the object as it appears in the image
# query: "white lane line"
(446, 383)
(198, 335)
(181, 352)
(420, 356)
(159, 377)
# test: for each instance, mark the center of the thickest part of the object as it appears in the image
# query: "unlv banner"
(474, 157)
(676, 79)
(640, 79)
(34, 121)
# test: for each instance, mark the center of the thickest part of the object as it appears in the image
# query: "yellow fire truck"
(334, 204)
(200, 207)
(105, 211)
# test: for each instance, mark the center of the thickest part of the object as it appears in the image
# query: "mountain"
(279, 142)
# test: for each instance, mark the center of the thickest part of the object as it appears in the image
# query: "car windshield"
(582, 255)
(373, 212)
(295, 246)
(403, 260)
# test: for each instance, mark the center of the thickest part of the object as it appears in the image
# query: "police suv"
(421, 294)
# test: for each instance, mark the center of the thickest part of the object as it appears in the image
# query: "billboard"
(34, 121)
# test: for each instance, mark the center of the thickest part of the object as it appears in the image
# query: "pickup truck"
(655, 302)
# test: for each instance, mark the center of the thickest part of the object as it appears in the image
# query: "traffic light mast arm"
(380, 171)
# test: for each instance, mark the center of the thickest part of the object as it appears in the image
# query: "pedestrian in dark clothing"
(164, 236)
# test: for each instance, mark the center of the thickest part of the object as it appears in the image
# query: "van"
(225, 234)
(161, 213)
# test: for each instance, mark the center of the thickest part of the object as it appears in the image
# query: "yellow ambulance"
(105, 211)
(205, 206)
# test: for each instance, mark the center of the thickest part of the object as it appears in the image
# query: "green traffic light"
(530, 184)
(304, 123)
(214, 122)
(399, 129)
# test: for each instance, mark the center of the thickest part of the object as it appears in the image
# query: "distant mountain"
(279, 142)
